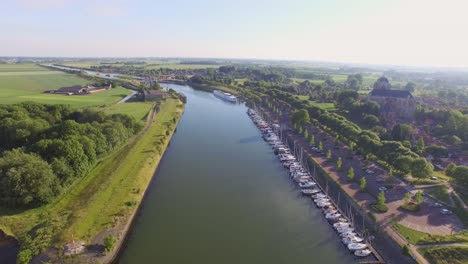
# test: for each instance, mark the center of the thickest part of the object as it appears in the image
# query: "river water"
(220, 195)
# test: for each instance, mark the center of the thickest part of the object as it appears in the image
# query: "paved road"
(127, 97)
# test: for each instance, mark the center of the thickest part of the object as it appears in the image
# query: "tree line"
(45, 148)
(393, 153)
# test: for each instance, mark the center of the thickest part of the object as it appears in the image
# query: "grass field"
(27, 82)
(139, 110)
(416, 237)
(445, 255)
(107, 195)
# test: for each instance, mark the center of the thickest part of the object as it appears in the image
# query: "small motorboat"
(314, 191)
(356, 246)
(307, 192)
(362, 253)
(308, 184)
(323, 204)
(348, 234)
(330, 211)
(324, 200)
(341, 230)
(342, 219)
(332, 216)
(319, 195)
(354, 239)
(341, 224)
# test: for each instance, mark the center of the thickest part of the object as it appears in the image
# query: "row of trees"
(393, 153)
(45, 148)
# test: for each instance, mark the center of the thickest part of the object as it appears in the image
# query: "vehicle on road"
(445, 211)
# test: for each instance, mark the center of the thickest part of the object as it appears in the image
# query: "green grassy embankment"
(105, 197)
(445, 255)
(420, 238)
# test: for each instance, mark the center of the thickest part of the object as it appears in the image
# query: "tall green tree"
(300, 117)
(421, 168)
(339, 163)
(407, 198)
(25, 179)
(381, 198)
(419, 197)
(363, 184)
(351, 173)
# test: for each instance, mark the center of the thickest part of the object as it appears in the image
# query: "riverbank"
(144, 175)
(106, 198)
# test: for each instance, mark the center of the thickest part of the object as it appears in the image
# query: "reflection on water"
(221, 196)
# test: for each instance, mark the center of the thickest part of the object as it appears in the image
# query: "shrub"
(24, 256)
(405, 250)
(412, 207)
(380, 208)
(109, 242)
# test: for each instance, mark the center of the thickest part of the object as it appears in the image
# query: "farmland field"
(27, 82)
(138, 110)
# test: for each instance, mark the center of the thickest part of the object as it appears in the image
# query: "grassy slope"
(416, 237)
(139, 110)
(97, 201)
(445, 255)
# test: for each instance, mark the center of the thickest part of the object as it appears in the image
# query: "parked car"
(382, 188)
(380, 179)
(434, 178)
(445, 211)
(436, 205)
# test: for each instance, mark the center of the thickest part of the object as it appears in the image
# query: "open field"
(416, 237)
(107, 195)
(20, 68)
(27, 82)
(445, 255)
(139, 110)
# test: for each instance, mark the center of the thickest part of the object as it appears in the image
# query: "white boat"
(362, 253)
(340, 224)
(307, 191)
(323, 204)
(348, 234)
(354, 239)
(307, 184)
(314, 191)
(332, 216)
(330, 211)
(344, 229)
(226, 96)
(319, 195)
(356, 246)
(321, 200)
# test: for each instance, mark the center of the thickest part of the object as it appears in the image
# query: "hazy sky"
(415, 32)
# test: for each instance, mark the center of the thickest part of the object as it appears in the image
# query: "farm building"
(150, 95)
(80, 89)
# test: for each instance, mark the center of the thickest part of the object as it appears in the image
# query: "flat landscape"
(27, 82)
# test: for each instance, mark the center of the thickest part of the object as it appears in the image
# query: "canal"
(220, 195)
